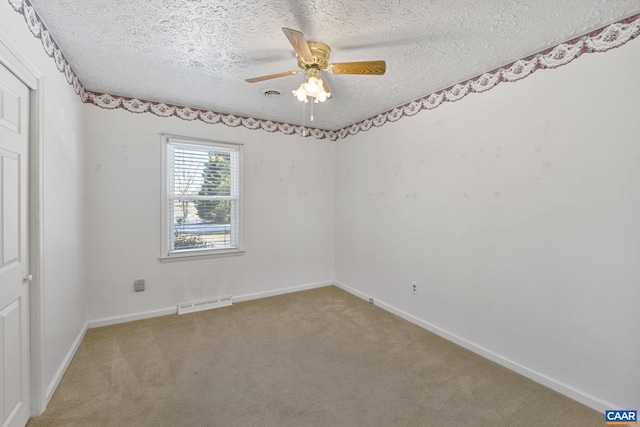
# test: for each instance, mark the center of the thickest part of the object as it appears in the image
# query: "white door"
(14, 301)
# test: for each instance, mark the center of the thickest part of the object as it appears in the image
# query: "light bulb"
(312, 86)
(300, 93)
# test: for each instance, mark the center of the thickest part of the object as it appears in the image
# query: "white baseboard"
(281, 291)
(53, 385)
(571, 392)
(114, 320)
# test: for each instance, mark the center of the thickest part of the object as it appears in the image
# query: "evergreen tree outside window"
(216, 177)
(203, 204)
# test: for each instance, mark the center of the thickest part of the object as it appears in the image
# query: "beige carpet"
(316, 358)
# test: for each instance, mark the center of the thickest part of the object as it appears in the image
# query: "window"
(202, 197)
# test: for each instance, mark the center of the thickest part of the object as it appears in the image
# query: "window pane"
(216, 175)
(192, 231)
(188, 165)
(201, 171)
(214, 211)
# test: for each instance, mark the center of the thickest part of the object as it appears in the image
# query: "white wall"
(64, 308)
(288, 216)
(517, 212)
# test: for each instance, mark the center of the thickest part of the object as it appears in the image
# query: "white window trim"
(165, 255)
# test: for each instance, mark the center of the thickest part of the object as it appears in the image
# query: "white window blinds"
(202, 197)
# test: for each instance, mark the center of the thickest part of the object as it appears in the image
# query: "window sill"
(193, 256)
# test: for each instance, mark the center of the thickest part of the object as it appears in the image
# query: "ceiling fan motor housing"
(320, 53)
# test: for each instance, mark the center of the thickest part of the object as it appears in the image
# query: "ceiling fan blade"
(363, 67)
(299, 43)
(272, 76)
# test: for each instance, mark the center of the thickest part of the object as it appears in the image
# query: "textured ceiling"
(198, 53)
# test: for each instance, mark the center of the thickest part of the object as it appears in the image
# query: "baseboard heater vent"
(191, 307)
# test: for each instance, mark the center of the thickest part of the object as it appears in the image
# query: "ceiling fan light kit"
(313, 57)
(313, 87)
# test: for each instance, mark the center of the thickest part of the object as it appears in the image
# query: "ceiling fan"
(313, 57)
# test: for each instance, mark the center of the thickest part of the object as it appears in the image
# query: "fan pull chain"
(312, 102)
(304, 127)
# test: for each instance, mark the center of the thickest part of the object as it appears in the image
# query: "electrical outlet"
(414, 288)
(138, 285)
